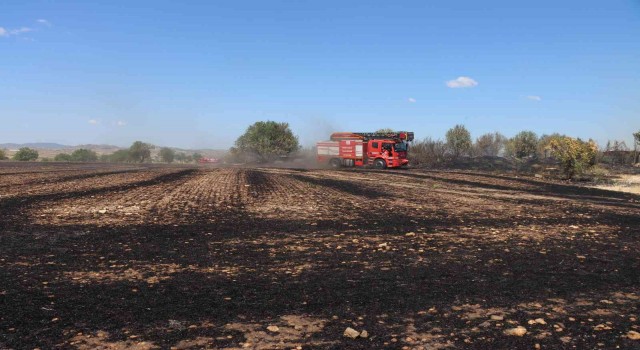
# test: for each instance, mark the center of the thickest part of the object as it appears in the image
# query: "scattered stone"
(542, 335)
(410, 234)
(497, 317)
(633, 335)
(565, 339)
(537, 321)
(517, 332)
(601, 327)
(273, 329)
(351, 333)
(364, 334)
(102, 211)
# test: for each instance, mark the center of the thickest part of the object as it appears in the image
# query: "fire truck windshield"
(400, 147)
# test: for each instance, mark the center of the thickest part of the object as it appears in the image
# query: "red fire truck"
(381, 150)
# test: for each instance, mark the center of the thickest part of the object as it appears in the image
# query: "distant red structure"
(204, 160)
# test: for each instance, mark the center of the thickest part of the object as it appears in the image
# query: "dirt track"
(191, 258)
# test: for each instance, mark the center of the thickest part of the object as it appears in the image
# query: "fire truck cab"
(380, 150)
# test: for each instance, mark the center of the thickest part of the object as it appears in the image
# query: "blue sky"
(196, 73)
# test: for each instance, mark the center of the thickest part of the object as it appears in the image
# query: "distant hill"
(50, 149)
(37, 145)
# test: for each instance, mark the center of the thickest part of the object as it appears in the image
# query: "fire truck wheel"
(379, 164)
(335, 163)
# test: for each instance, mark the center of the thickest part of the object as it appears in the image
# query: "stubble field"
(159, 257)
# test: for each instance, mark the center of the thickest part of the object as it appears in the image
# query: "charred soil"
(138, 257)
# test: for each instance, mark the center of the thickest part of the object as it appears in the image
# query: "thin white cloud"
(93, 121)
(13, 32)
(21, 30)
(44, 21)
(411, 99)
(461, 82)
(534, 98)
(121, 123)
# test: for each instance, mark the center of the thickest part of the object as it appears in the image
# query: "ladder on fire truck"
(366, 136)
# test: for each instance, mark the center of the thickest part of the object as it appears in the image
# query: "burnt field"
(138, 257)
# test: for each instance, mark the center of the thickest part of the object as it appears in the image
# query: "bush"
(428, 152)
(489, 144)
(599, 175)
(575, 156)
(63, 157)
(523, 145)
(25, 154)
(84, 155)
(167, 155)
(458, 141)
(3, 155)
(267, 141)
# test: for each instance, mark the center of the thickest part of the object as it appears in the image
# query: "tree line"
(267, 141)
(138, 152)
(574, 155)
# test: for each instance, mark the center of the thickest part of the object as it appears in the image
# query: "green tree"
(575, 155)
(140, 152)
(490, 144)
(523, 145)
(267, 141)
(167, 154)
(181, 157)
(120, 156)
(26, 154)
(544, 144)
(458, 140)
(84, 155)
(3, 155)
(196, 157)
(63, 157)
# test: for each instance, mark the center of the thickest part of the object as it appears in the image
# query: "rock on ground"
(518, 331)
